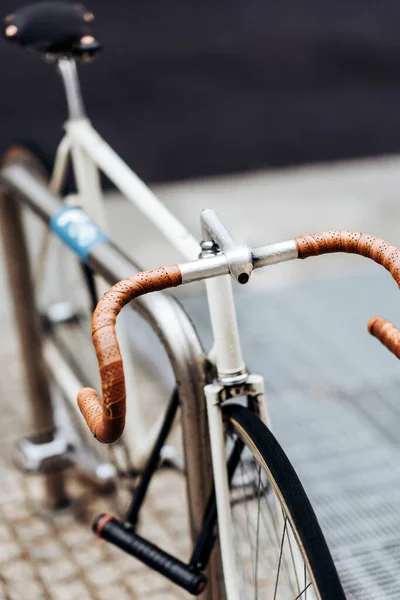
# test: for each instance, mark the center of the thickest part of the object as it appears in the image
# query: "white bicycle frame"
(89, 154)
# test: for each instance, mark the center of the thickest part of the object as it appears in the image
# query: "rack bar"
(175, 331)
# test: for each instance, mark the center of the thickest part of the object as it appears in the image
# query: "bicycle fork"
(215, 394)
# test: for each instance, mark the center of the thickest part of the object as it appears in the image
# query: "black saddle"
(53, 27)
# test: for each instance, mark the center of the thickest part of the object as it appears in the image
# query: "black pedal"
(123, 536)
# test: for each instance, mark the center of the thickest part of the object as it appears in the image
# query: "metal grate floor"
(334, 398)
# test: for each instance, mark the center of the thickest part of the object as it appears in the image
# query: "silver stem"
(68, 71)
(214, 230)
(239, 257)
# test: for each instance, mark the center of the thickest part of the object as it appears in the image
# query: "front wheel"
(281, 553)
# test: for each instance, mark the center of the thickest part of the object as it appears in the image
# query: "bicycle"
(67, 26)
(53, 330)
(248, 463)
(231, 425)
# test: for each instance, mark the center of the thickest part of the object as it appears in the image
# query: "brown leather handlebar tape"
(106, 419)
(386, 333)
(378, 250)
(354, 243)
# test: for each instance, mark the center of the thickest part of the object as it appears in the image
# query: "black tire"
(243, 424)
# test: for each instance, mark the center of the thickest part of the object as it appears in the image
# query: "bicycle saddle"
(52, 27)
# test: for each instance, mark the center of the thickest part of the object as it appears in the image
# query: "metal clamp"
(239, 258)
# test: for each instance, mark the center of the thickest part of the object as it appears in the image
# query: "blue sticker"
(75, 228)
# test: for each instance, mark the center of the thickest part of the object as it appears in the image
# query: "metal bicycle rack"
(20, 184)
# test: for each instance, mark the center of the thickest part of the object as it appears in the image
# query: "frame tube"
(60, 165)
(132, 187)
(88, 184)
(140, 491)
(225, 526)
(228, 354)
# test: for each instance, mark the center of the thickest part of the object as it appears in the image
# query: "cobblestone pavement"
(54, 556)
(47, 556)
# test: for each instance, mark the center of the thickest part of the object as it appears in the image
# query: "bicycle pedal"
(171, 458)
(45, 452)
(124, 537)
(61, 312)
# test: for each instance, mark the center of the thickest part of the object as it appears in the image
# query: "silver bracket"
(239, 258)
(252, 387)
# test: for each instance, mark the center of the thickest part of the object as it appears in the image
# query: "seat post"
(68, 71)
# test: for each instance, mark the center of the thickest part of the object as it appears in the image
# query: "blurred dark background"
(189, 89)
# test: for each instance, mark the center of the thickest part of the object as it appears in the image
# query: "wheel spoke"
(246, 508)
(280, 557)
(297, 574)
(303, 592)
(258, 536)
(260, 528)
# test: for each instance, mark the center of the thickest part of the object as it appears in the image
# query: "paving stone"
(88, 556)
(9, 550)
(78, 537)
(47, 550)
(5, 534)
(31, 590)
(73, 590)
(116, 592)
(169, 596)
(127, 565)
(63, 570)
(10, 491)
(109, 574)
(16, 511)
(19, 570)
(152, 583)
(30, 531)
